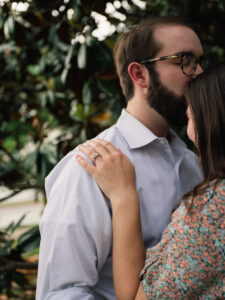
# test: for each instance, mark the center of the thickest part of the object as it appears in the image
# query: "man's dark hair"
(137, 44)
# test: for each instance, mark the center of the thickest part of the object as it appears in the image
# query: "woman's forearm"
(115, 175)
(128, 246)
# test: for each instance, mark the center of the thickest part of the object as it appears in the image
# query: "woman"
(189, 261)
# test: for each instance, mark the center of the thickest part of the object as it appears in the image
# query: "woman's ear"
(138, 74)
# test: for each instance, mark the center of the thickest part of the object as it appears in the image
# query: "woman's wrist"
(124, 198)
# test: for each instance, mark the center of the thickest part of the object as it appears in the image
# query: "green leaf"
(51, 97)
(49, 151)
(82, 56)
(90, 40)
(18, 223)
(31, 159)
(52, 36)
(64, 75)
(83, 135)
(6, 249)
(9, 27)
(77, 112)
(29, 240)
(18, 278)
(67, 64)
(87, 92)
(13, 226)
(9, 227)
(36, 69)
(1, 19)
(9, 143)
(69, 56)
(106, 87)
(7, 47)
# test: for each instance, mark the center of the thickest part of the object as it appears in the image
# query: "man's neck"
(148, 117)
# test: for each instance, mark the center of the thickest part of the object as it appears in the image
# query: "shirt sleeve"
(189, 260)
(76, 235)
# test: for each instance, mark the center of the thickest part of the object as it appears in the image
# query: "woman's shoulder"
(191, 247)
(214, 203)
(214, 193)
(210, 200)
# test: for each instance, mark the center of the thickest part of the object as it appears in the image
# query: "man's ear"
(138, 74)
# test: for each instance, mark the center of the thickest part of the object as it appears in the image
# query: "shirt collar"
(137, 134)
(175, 140)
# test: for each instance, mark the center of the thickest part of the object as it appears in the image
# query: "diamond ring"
(96, 155)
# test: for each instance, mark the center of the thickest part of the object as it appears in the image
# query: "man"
(155, 60)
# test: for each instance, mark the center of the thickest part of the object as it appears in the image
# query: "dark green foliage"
(13, 280)
(47, 83)
(50, 83)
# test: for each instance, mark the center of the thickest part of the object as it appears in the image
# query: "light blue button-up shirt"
(75, 261)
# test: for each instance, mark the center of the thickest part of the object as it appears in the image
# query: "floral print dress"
(189, 261)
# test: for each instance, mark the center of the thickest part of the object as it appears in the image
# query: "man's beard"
(166, 103)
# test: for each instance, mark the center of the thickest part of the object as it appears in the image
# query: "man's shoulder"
(68, 164)
(110, 134)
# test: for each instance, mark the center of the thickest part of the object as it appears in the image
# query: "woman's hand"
(115, 174)
(113, 171)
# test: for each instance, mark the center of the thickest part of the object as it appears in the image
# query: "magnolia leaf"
(77, 112)
(29, 240)
(87, 92)
(106, 87)
(82, 56)
(67, 64)
(9, 27)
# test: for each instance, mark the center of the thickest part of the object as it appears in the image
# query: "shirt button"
(162, 142)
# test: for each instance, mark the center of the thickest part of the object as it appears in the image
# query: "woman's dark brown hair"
(206, 99)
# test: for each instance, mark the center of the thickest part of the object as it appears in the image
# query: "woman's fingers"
(102, 147)
(86, 165)
(90, 153)
(94, 150)
(101, 150)
(113, 171)
(98, 147)
(105, 149)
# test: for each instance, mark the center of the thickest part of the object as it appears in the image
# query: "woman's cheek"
(190, 131)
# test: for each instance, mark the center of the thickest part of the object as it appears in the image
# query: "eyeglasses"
(187, 61)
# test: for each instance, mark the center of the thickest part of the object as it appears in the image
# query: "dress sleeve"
(190, 259)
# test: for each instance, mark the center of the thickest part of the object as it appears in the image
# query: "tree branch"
(17, 191)
(9, 265)
(9, 196)
(9, 154)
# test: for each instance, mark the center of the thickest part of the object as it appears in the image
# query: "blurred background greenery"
(59, 88)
